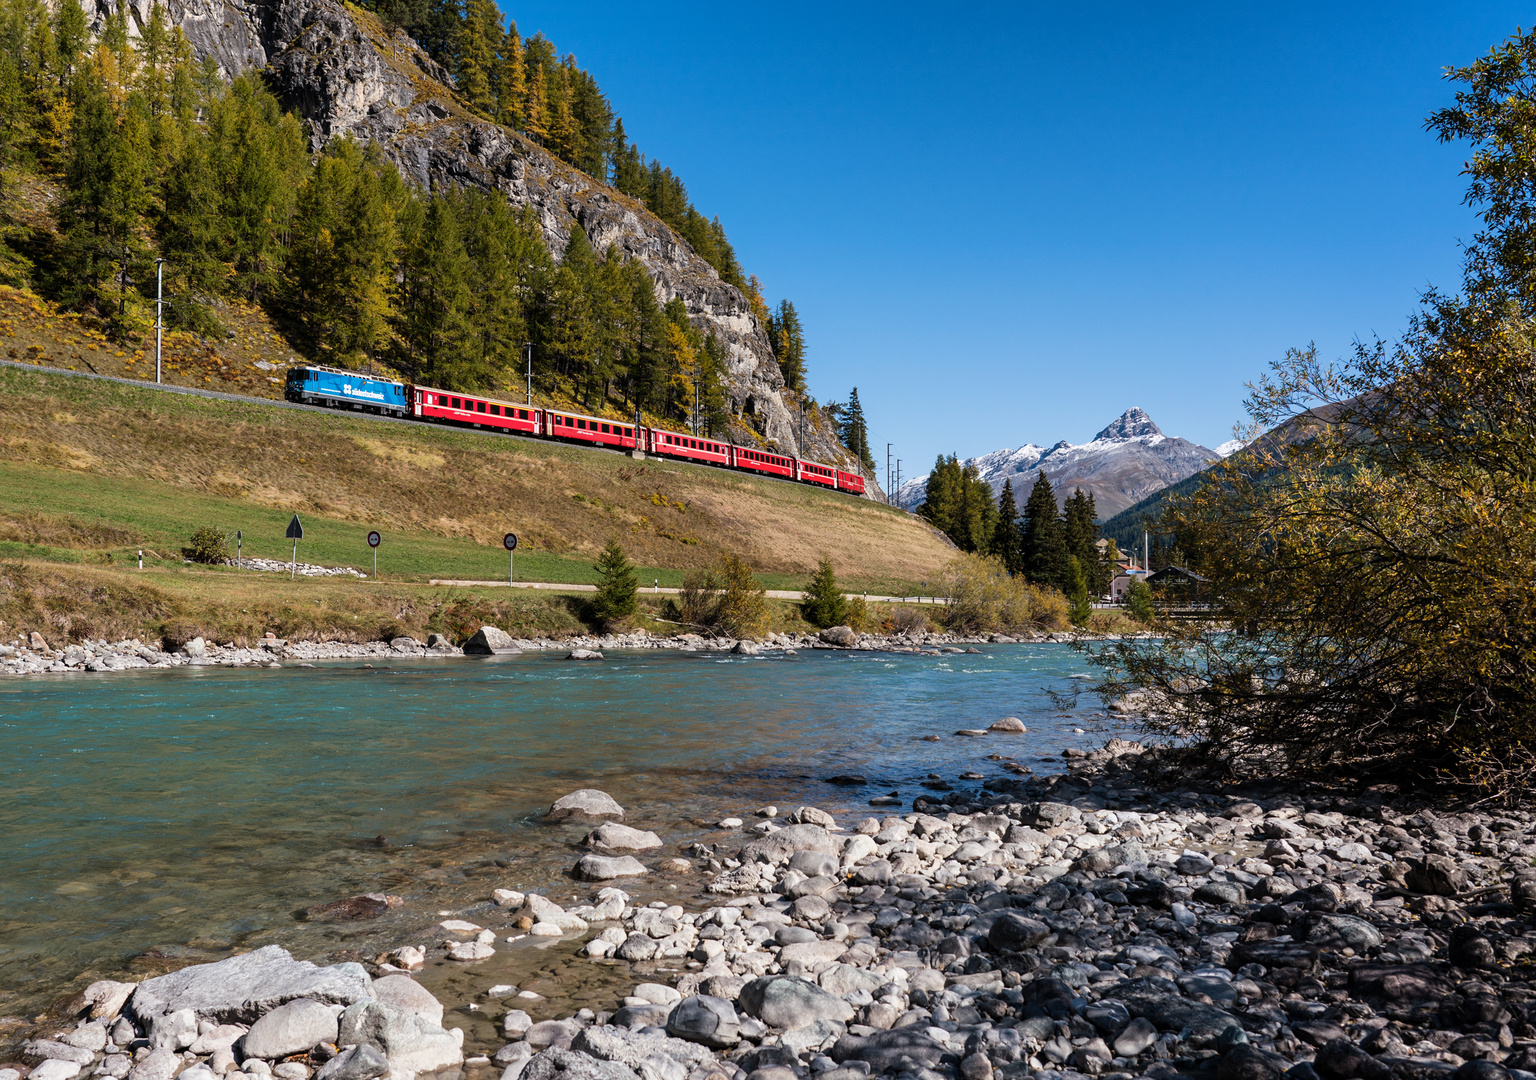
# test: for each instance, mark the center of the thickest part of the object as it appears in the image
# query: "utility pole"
(528, 347)
(695, 405)
(890, 492)
(898, 478)
(802, 425)
(1146, 552)
(159, 302)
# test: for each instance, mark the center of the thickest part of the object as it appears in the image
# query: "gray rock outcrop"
(243, 988)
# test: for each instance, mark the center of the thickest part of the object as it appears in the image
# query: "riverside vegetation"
(1366, 552)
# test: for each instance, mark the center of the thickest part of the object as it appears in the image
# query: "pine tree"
(943, 497)
(435, 295)
(1045, 542)
(1006, 541)
(477, 56)
(617, 586)
(855, 435)
(789, 347)
(1082, 533)
(511, 85)
(824, 603)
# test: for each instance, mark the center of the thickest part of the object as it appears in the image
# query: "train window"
(522, 414)
(480, 406)
(457, 404)
(606, 431)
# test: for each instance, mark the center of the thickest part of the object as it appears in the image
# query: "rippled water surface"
(193, 811)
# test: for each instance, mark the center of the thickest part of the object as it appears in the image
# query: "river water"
(153, 816)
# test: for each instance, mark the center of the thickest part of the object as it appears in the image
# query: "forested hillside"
(144, 153)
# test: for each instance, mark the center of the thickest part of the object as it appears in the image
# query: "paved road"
(772, 594)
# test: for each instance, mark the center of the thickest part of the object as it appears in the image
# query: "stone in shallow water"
(606, 867)
(613, 837)
(587, 804)
(409, 1043)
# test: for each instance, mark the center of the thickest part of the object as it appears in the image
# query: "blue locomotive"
(338, 389)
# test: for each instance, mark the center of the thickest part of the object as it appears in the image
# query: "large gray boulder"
(587, 804)
(244, 988)
(409, 1043)
(406, 993)
(630, 1048)
(710, 1021)
(607, 867)
(613, 838)
(489, 641)
(288, 1029)
(841, 636)
(779, 846)
(786, 1001)
(555, 1064)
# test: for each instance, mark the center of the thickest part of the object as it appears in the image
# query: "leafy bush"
(906, 620)
(743, 606)
(984, 597)
(856, 614)
(209, 546)
(824, 604)
(725, 599)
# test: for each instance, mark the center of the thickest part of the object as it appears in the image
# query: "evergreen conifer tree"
(788, 339)
(434, 299)
(1045, 542)
(942, 498)
(824, 604)
(617, 585)
(1006, 542)
(855, 433)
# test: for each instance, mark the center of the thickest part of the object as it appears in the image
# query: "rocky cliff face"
(344, 76)
(1127, 461)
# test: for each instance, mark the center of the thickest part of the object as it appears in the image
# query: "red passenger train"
(442, 406)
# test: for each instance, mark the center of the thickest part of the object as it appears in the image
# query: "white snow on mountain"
(1123, 464)
(1230, 447)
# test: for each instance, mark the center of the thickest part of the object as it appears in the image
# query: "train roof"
(477, 397)
(345, 371)
(585, 416)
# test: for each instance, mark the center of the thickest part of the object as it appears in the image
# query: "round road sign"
(509, 541)
(374, 539)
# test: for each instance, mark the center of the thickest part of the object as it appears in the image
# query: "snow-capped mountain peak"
(1230, 447)
(1134, 423)
(1127, 461)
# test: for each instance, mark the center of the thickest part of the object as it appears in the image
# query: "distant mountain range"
(1127, 461)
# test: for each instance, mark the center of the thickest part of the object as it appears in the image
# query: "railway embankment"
(1116, 920)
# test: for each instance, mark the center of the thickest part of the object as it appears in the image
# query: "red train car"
(675, 444)
(811, 472)
(589, 429)
(762, 461)
(852, 483)
(430, 403)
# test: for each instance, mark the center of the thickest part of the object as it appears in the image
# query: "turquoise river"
(153, 816)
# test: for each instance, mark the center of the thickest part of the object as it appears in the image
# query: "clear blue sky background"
(1005, 223)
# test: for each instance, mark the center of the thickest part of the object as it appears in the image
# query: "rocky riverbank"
(35, 655)
(1113, 921)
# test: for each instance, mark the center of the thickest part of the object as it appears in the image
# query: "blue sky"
(1007, 223)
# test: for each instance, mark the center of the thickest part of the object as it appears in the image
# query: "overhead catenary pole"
(159, 303)
(890, 492)
(528, 348)
(1146, 552)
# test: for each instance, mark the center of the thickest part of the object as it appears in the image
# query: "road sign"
(374, 539)
(509, 541)
(295, 529)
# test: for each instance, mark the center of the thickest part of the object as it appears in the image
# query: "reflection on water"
(197, 810)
